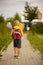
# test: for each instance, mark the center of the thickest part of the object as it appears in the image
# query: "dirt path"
(28, 55)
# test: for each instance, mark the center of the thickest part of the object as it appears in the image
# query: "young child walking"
(17, 33)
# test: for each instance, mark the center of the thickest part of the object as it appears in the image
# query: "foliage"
(12, 19)
(36, 40)
(30, 13)
(17, 17)
(5, 37)
(1, 18)
(38, 28)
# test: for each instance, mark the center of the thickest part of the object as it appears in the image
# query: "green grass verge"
(5, 37)
(36, 40)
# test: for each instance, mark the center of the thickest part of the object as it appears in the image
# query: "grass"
(5, 37)
(36, 40)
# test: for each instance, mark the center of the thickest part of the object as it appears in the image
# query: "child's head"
(16, 22)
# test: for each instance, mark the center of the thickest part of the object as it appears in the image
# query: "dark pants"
(17, 43)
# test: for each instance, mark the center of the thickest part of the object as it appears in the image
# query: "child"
(17, 38)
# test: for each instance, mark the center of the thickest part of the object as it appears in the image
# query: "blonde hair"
(16, 22)
(22, 26)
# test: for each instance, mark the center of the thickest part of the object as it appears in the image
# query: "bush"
(5, 37)
(38, 28)
(1, 18)
(36, 41)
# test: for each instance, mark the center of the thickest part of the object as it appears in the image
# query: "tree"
(10, 20)
(2, 18)
(30, 13)
(17, 17)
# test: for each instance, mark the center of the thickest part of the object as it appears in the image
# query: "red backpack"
(16, 34)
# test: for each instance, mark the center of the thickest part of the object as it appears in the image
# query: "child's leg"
(14, 50)
(19, 47)
(18, 51)
(15, 47)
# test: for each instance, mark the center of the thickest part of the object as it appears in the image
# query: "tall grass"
(36, 41)
(5, 37)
